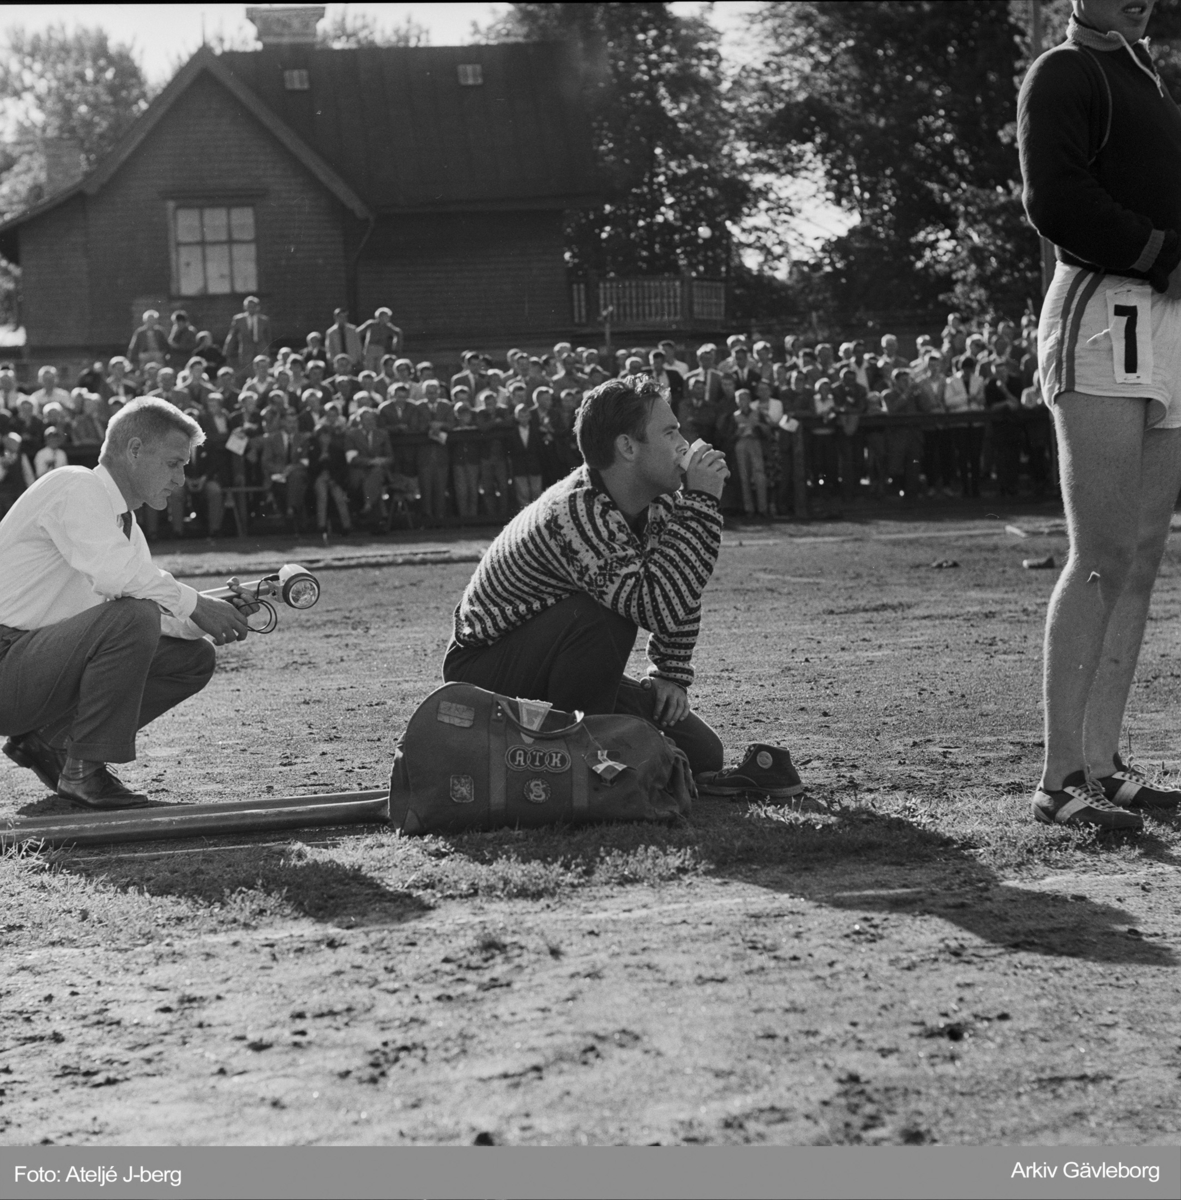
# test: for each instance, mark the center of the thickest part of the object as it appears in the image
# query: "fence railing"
(800, 442)
(797, 446)
(657, 302)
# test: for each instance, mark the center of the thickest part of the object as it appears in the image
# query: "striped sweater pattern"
(575, 539)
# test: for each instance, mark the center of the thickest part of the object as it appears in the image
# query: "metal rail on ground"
(199, 820)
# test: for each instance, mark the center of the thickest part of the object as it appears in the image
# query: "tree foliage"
(662, 125)
(73, 85)
(907, 110)
(342, 29)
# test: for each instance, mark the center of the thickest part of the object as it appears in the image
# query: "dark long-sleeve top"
(1100, 144)
(525, 459)
(498, 421)
(330, 459)
(464, 445)
(576, 539)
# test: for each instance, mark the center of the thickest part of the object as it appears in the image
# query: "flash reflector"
(298, 588)
(292, 585)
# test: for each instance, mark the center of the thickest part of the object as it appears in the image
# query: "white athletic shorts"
(1110, 335)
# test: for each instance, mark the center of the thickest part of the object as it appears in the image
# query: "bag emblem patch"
(534, 758)
(455, 714)
(537, 791)
(463, 789)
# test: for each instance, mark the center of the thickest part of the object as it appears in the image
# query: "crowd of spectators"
(347, 427)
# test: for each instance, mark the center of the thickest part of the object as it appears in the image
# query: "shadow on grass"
(945, 881)
(49, 805)
(853, 859)
(259, 882)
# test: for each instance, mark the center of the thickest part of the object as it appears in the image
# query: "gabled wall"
(55, 277)
(206, 146)
(91, 265)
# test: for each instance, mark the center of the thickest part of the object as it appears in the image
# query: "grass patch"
(918, 742)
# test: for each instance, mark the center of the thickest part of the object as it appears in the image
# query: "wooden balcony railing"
(658, 302)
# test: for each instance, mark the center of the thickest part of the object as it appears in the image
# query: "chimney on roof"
(286, 25)
(64, 164)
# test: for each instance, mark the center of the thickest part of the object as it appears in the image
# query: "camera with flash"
(292, 585)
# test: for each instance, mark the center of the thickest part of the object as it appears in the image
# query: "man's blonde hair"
(151, 419)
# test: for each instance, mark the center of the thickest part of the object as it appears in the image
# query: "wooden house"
(432, 180)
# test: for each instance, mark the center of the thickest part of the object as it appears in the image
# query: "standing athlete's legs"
(1101, 440)
(1160, 482)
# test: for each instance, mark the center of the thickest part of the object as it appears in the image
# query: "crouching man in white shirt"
(96, 641)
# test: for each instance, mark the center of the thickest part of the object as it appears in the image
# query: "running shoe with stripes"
(1129, 787)
(1081, 801)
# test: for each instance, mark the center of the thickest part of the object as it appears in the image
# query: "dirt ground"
(909, 960)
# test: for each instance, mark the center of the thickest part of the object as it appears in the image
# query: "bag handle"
(521, 727)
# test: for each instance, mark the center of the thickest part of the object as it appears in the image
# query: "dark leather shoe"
(30, 750)
(99, 788)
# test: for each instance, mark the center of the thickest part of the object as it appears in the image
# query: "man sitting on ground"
(552, 610)
(86, 656)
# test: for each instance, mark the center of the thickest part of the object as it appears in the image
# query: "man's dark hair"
(622, 405)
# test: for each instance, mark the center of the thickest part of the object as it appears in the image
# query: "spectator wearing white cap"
(53, 453)
(473, 376)
(729, 365)
(342, 337)
(49, 392)
(379, 337)
(671, 362)
(249, 336)
(707, 371)
(149, 343)
(182, 340)
(10, 393)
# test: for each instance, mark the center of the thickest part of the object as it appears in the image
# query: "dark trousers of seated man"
(574, 655)
(88, 683)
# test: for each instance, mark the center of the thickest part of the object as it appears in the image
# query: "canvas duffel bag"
(471, 759)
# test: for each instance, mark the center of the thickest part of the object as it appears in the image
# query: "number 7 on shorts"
(1129, 322)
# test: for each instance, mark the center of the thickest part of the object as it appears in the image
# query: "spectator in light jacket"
(249, 336)
(344, 338)
(379, 337)
(149, 343)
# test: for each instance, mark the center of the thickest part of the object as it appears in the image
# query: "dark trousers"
(1007, 440)
(432, 480)
(88, 683)
(574, 655)
(939, 457)
(968, 441)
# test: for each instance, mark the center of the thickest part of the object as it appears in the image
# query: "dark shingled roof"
(398, 126)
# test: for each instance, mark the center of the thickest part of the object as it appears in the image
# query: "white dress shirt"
(63, 550)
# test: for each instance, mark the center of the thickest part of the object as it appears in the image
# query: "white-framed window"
(213, 249)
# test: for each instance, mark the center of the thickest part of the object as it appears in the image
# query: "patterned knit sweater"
(575, 539)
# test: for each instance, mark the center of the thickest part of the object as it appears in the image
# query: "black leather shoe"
(30, 750)
(99, 788)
